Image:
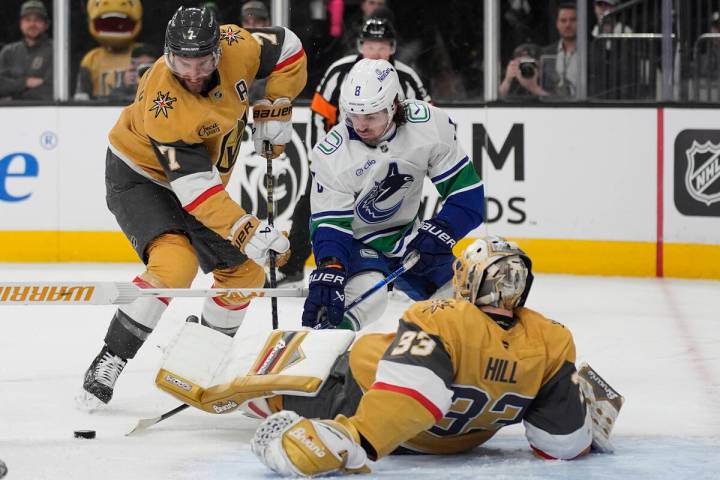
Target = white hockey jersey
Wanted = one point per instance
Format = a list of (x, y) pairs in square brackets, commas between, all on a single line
[(372, 194)]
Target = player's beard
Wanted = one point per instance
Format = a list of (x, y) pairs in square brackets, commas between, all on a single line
[(195, 86)]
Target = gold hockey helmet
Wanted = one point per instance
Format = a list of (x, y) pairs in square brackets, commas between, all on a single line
[(493, 271)]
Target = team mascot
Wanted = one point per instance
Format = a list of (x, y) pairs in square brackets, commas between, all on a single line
[(114, 24)]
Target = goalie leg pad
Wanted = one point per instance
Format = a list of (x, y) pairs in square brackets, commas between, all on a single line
[(603, 403), (292, 445), (213, 372)]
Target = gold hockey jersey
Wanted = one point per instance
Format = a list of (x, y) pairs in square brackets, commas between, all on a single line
[(189, 142), (451, 377)]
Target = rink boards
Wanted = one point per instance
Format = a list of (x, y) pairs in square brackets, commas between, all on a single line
[(612, 191)]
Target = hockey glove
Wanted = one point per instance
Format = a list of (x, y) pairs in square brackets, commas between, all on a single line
[(255, 238), (294, 446), (272, 122), (434, 242), (325, 302)]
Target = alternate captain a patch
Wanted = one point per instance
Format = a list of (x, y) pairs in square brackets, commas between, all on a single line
[(162, 103)]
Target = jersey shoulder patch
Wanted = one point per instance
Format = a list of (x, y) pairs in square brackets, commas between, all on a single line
[(331, 142), (417, 111), (231, 35)]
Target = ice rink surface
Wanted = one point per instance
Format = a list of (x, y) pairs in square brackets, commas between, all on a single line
[(657, 341)]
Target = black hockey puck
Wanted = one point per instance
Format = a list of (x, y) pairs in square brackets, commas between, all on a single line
[(3, 469), (84, 433)]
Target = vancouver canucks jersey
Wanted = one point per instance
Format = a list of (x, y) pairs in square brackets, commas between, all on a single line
[(373, 193), (451, 377)]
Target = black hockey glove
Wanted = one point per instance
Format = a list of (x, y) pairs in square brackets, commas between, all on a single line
[(325, 303), (434, 242)]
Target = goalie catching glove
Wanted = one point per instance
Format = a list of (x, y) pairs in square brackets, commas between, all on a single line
[(255, 238), (293, 446), (272, 122)]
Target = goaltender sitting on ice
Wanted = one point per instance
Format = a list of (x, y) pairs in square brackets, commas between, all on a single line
[(455, 372)]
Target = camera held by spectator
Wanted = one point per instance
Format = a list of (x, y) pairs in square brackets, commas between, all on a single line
[(521, 80), (528, 67)]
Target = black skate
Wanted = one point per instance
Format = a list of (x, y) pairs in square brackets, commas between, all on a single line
[(100, 379)]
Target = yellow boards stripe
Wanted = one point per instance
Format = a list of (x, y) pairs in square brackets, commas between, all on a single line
[(56, 246), (585, 257)]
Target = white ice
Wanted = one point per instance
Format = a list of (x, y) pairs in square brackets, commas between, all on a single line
[(657, 341)]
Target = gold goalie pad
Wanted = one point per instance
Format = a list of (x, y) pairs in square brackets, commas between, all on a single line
[(217, 374)]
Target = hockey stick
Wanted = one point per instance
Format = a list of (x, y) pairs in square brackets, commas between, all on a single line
[(117, 293), (409, 261), (270, 185), (146, 423)]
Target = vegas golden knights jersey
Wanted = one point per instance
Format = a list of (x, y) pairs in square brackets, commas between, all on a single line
[(451, 377), (101, 70), (189, 142)]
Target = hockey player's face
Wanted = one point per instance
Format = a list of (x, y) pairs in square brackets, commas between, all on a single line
[(369, 127), (193, 72)]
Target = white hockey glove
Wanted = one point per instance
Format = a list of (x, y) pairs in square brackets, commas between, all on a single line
[(293, 446), (604, 404), (272, 122), (255, 238)]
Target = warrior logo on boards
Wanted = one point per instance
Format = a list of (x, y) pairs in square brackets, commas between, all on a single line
[(385, 198), (702, 176)]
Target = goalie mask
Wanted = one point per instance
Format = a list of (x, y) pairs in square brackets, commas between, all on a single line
[(493, 271), (371, 87), (192, 33)]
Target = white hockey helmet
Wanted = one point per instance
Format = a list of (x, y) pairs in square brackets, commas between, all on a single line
[(371, 86), (493, 271)]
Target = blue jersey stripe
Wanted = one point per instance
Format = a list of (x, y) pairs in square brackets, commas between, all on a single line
[(448, 173)]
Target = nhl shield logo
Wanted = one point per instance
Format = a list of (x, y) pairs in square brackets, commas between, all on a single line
[(702, 176)]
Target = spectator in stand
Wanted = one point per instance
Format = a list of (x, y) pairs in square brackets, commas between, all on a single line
[(142, 58), (607, 25), (255, 14), (521, 82), (707, 84), (558, 61), (26, 66)]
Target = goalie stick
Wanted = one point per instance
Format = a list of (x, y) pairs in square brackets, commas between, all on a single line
[(117, 293), (410, 260)]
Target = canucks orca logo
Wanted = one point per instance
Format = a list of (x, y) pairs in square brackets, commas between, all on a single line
[(385, 198)]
